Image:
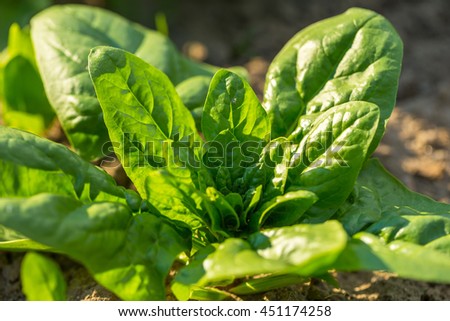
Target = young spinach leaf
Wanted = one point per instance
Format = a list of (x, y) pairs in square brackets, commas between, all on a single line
[(282, 210), (232, 105), (234, 124)]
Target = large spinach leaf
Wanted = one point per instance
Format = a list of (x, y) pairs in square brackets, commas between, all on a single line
[(152, 132), (355, 56), (328, 159), (300, 249)]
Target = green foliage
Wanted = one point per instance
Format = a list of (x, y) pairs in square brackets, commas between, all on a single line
[(129, 254), (230, 192), (312, 250), (17, 11), (367, 252), (42, 279), (63, 37), (354, 56), (32, 165), (381, 205), (329, 157), (22, 97)]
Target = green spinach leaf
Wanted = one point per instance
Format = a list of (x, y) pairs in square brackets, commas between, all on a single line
[(235, 125), (355, 56), (232, 105), (408, 260), (33, 165), (282, 210), (383, 206), (303, 250), (151, 129), (13, 241), (328, 159), (42, 279)]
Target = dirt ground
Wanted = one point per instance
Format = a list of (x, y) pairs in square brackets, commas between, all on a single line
[(416, 147)]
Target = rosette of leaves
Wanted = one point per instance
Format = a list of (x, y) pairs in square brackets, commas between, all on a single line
[(260, 196)]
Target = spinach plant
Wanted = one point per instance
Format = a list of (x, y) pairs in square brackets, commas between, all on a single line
[(248, 198)]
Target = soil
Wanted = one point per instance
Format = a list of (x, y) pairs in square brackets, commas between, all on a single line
[(416, 146)]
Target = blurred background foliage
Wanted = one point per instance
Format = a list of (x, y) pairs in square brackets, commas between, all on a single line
[(19, 11), (142, 11)]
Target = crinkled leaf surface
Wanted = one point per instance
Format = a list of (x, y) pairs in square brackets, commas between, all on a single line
[(32, 165), (153, 133), (328, 159), (355, 56), (63, 37), (275, 161), (173, 198), (299, 249), (128, 254), (42, 279), (147, 122)]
